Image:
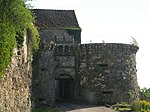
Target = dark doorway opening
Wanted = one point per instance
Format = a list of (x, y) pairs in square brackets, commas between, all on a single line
[(64, 87)]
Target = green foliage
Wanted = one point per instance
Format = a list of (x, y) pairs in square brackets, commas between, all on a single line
[(7, 42), (35, 40), (45, 110), (15, 12), (135, 106), (145, 93), (15, 18), (140, 106), (124, 106), (20, 38)]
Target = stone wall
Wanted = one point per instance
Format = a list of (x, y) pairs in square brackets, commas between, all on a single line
[(95, 73), (15, 86), (65, 60), (108, 73), (57, 36), (43, 78), (55, 61)]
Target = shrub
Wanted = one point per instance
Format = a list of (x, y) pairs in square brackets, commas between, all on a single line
[(140, 106)]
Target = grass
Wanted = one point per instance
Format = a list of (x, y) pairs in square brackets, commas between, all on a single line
[(45, 109), (122, 107)]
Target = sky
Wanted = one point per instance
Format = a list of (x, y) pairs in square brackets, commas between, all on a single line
[(114, 21)]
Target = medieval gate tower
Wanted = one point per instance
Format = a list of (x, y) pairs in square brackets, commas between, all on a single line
[(65, 69)]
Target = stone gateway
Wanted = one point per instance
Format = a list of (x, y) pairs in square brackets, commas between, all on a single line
[(65, 69)]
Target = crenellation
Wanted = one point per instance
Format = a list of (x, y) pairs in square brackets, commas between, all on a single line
[(109, 46)]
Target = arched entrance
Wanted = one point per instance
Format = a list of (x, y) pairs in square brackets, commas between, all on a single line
[(64, 87)]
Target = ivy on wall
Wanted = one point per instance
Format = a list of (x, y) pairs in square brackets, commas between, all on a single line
[(15, 18), (34, 40)]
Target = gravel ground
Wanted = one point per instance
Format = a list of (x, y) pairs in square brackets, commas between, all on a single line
[(73, 107)]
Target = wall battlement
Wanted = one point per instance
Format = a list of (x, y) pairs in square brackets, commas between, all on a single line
[(108, 72), (109, 46), (70, 49)]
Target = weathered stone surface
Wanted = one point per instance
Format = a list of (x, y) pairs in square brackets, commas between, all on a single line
[(15, 86), (54, 63), (96, 73), (99, 73), (108, 73), (43, 78)]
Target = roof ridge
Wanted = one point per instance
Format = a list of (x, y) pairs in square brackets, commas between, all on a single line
[(54, 9)]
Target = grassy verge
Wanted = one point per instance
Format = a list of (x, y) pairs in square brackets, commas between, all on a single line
[(122, 107), (140, 106), (135, 106)]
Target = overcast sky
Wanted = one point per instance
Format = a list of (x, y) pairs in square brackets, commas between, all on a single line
[(112, 21)]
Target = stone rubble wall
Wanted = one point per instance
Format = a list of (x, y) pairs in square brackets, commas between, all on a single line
[(43, 78), (15, 86), (107, 73), (55, 57), (65, 60)]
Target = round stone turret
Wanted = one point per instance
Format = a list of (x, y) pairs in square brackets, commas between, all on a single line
[(108, 73)]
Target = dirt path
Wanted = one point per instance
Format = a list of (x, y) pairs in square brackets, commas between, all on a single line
[(93, 109), (72, 107)]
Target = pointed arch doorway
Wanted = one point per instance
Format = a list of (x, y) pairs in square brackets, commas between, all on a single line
[(64, 87)]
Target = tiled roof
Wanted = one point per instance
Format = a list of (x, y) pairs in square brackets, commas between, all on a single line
[(55, 19)]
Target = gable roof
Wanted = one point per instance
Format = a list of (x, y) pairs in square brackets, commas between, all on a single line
[(55, 19)]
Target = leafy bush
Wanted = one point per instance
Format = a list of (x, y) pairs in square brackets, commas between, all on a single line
[(140, 106)]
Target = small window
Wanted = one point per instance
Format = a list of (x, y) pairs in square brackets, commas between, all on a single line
[(103, 65), (44, 69), (41, 99), (107, 92)]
